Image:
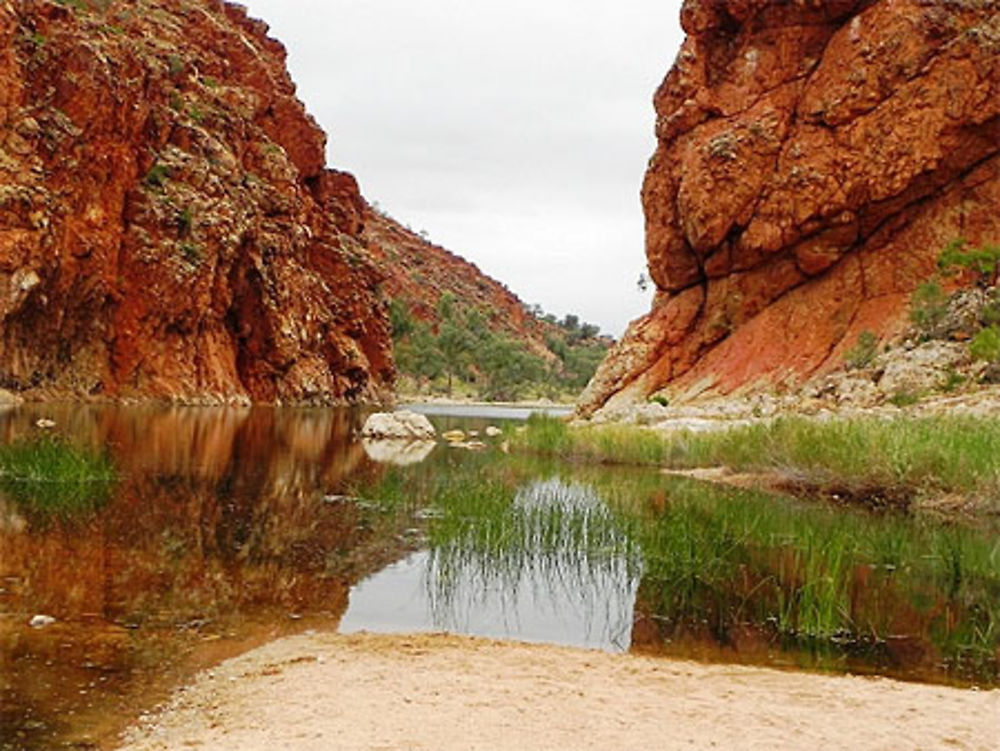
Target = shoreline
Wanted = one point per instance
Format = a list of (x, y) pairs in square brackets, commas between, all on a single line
[(435, 691), (443, 401)]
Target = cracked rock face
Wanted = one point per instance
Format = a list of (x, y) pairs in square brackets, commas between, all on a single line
[(813, 159), (168, 226)]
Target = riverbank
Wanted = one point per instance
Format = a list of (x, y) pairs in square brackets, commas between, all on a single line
[(909, 460), (324, 691), (405, 400)]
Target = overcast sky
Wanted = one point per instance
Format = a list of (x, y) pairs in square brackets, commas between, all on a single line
[(515, 133)]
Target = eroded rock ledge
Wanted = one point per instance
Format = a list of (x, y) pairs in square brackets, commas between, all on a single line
[(168, 225), (813, 160)]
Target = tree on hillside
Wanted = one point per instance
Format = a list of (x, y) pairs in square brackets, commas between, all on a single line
[(507, 368), (419, 356), (453, 340), (400, 319)]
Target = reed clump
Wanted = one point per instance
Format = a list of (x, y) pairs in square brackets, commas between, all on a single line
[(819, 577), (51, 475)]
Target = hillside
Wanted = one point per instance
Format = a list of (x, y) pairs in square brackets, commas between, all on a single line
[(418, 272), (454, 325)]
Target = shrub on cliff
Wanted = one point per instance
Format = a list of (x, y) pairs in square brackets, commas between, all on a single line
[(928, 307), (863, 352), (985, 345), (982, 262)]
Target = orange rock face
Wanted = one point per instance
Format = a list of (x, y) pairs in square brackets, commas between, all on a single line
[(813, 160), (168, 226)]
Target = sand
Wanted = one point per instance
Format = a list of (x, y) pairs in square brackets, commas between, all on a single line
[(324, 691)]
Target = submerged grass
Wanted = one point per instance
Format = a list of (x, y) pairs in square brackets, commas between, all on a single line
[(905, 457), (51, 476)]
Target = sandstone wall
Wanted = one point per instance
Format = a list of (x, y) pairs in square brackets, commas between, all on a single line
[(168, 226), (813, 159)]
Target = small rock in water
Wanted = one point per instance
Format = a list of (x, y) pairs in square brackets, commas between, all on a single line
[(41, 621), (454, 436), (45, 423), (492, 431)]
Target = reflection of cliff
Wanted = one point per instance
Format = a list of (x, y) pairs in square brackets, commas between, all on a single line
[(218, 530), (216, 509)]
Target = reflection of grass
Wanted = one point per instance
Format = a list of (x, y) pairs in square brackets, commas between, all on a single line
[(47, 474), (911, 456), (815, 578), (558, 540), (816, 574)]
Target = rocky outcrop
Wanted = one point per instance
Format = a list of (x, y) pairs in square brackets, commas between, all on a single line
[(813, 160), (168, 226)]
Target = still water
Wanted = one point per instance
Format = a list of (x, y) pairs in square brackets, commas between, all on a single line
[(229, 528)]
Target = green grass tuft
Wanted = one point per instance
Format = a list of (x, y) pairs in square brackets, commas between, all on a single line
[(50, 475)]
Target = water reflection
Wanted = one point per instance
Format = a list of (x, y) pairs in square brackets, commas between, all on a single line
[(231, 527), (737, 575), (216, 537), (400, 453), (726, 574), (552, 566)]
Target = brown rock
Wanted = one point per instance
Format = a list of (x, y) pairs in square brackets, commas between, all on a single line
[(813, 160), (168, 226)]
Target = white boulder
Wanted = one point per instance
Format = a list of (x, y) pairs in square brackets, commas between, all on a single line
[(406, 426)]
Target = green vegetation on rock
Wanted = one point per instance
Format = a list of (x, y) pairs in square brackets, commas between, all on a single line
[(985, 345), (928, 307), (983, 262), (863, 352)]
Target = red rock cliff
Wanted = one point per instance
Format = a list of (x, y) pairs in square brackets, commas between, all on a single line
[(813, 159), (168, 226)]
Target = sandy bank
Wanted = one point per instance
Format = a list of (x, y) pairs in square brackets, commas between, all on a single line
[(443, 692)]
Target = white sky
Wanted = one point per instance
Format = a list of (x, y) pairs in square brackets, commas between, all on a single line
[(515, 132)]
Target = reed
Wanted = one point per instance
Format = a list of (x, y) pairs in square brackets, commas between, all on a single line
[(818, 578), (50, 475)]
